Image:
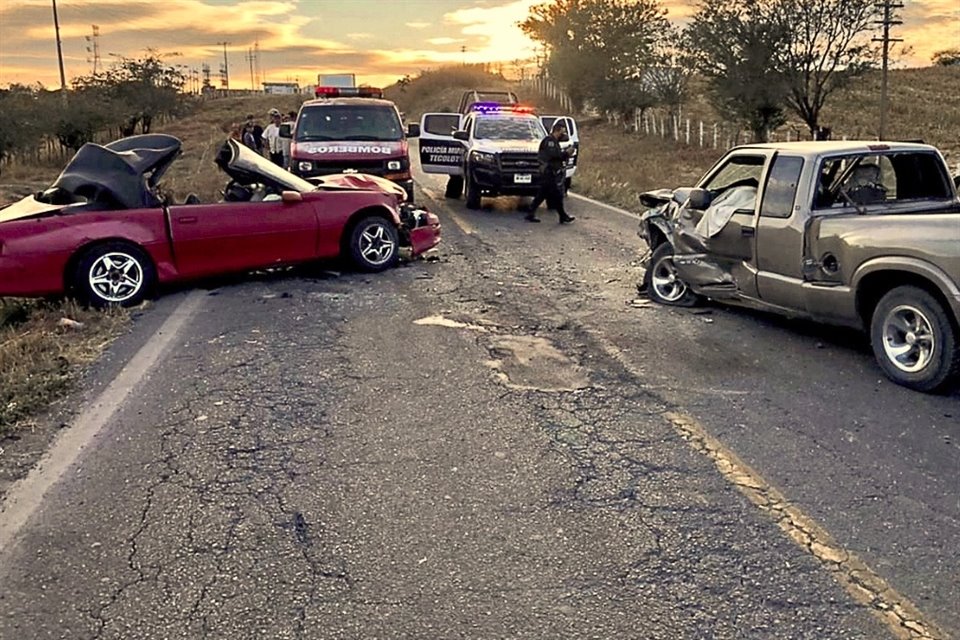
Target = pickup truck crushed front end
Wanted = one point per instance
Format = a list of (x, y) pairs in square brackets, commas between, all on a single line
[(669, 219)]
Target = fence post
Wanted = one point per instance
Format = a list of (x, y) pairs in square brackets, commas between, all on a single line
[(715, 126), (688, 131), (788, 135), (701, 134)]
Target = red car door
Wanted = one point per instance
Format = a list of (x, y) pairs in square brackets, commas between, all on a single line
[(235, 236)]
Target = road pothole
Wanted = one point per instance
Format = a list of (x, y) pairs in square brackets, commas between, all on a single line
[(525, 363), (531, 363)]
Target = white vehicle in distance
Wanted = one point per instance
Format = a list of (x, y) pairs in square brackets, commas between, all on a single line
[(489, 151)]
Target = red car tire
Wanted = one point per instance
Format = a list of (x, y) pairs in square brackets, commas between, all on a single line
[(113, 274), (374, 244)]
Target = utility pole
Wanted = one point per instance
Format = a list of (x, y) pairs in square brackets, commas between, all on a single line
[(256, 62), (63, 76), (93, 48), (250, 60), (226, 67), (889, 20)]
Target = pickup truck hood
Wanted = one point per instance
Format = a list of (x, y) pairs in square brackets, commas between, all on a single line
[(338, 152), (508, 146)]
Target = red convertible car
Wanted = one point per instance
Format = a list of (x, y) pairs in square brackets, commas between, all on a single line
[(103, 233)]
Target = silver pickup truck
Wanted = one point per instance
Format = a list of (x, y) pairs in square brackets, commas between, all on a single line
[(862, 234)]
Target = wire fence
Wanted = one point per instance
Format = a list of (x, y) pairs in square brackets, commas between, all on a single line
[(683, 130)]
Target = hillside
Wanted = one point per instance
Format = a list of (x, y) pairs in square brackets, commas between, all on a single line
[(616, 165)]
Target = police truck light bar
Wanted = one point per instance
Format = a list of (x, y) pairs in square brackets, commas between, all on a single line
[(348, 92), (496, 107)]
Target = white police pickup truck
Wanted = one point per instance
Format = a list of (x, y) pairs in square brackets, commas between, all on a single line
[(489, 151)]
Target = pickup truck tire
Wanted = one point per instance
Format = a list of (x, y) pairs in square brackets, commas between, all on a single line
[(914, 341), (473, 191), (113, 274), (374, 244), (454, 187), (663, 285)]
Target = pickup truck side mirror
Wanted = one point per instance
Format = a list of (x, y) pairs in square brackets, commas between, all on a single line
[(699, 199), (413, 130), (461, 135), (286, 131)]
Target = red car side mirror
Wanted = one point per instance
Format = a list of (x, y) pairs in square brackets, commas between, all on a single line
[(291, 196)]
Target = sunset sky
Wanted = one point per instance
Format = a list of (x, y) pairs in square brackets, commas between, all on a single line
[(379, 40)]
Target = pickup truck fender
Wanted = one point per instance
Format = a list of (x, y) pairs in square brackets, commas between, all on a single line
[(895, 270)]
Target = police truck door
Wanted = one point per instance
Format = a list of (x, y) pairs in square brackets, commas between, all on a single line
[(439, 152)]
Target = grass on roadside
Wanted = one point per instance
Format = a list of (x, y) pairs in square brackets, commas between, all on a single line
[(42, 346)]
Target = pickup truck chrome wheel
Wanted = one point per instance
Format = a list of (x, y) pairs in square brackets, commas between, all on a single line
[(908, 338), (374, 244), (915, 340), (666, 283), (662, 282), (115, 273)]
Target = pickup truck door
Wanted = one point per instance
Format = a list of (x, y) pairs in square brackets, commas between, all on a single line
[(573, 143), (439, 151), (780, 232), (726, 265)]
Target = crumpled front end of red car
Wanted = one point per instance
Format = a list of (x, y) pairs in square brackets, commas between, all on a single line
[(421, 228)]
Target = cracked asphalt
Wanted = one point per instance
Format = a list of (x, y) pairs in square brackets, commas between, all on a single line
[(309, 461)]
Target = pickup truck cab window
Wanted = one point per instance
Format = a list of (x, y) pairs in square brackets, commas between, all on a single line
[(877, 179), (781, 189), (740, 170)]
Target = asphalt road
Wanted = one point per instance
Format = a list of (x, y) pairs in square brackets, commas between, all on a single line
[(478, 447)]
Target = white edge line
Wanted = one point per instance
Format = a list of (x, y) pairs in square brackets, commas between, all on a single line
[(622, 212), (27, 494)]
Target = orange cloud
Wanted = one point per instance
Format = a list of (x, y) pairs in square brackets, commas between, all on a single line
[(308, 37)]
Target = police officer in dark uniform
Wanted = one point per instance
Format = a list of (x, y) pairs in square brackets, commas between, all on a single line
[(552, 159)]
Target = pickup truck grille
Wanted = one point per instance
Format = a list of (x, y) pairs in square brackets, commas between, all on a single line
[(519, 162)]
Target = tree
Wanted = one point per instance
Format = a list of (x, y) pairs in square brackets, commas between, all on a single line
[(139, 88), (947, 58), (20, 104), (669, 77), (599, 49), (828, 46), (739, 45)]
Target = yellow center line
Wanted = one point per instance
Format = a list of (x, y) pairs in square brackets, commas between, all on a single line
[(456, 217), (866, 587), (904, 620)]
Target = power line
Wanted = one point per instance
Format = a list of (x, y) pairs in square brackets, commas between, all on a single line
[(889, 20)]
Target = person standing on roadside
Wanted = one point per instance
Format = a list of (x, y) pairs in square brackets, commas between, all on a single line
[(257, 132), (552, 160), (271, 138), (248, 138), (288, 118)]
